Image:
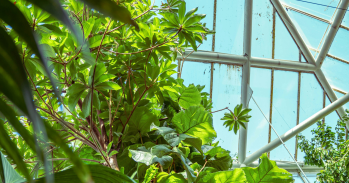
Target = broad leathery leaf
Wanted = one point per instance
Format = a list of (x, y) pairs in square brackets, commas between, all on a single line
[(99, 173), (189, 97), (73, 100), (14, 17), (111, 9), (7, 173), (237, 175), (196, 122), (141, 120), (267, 171), (190, 172), (174, 139), (75, 89), (171, 178), (206, 174), (108, 85), (86, 105), (160, 150), (189, 37), (148, 158)]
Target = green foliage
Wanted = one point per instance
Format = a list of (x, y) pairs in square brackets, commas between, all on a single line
[(99, 173), (90, 82), (329, 150), (233, 120), (7, 173), (267, 171)]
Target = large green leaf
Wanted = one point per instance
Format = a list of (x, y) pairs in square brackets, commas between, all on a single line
[(110, 8), (196, 122), (170, 178), (190, 96), (174, 138), (7, 173), (190, 172), (267, 171), (141, 120), (157, 154), (234, 176), (99, 174)]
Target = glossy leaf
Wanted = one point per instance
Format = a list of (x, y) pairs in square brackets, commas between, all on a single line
[(267, 171), (196, 122)]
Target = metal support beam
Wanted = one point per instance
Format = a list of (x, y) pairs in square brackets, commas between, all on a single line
[(342, 9), (297, 129), (306, 53), (203, 56), (245, 85), (287, 165)]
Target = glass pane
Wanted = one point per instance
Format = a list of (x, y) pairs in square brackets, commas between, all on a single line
[(258, 127), (226, 93), (311, 101), (285, 47), (320, 8), (284, 111), (229, 26), (336, 73), (340, 46), (197, 73), (262, 28), (331, 119), (311, 30)]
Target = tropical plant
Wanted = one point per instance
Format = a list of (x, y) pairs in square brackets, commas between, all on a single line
[(87, 93), (329, 150)]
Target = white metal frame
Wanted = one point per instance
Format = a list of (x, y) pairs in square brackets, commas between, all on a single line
[(312, 65)]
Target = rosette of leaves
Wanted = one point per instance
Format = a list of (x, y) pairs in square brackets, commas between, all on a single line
[(233, 120)]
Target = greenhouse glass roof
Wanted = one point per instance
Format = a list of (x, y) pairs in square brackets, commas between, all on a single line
[(291, 54)]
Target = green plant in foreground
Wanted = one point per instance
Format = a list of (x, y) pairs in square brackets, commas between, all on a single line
[(88, 95)]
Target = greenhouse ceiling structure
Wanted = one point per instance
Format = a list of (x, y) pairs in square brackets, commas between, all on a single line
[(291, 56)]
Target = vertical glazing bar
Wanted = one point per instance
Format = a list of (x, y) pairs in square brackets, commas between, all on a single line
[(298, 104), (213, 45), (272, 79), (271, 106), (245, 75)]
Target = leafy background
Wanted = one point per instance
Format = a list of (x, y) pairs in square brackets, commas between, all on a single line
[(89, 95)]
